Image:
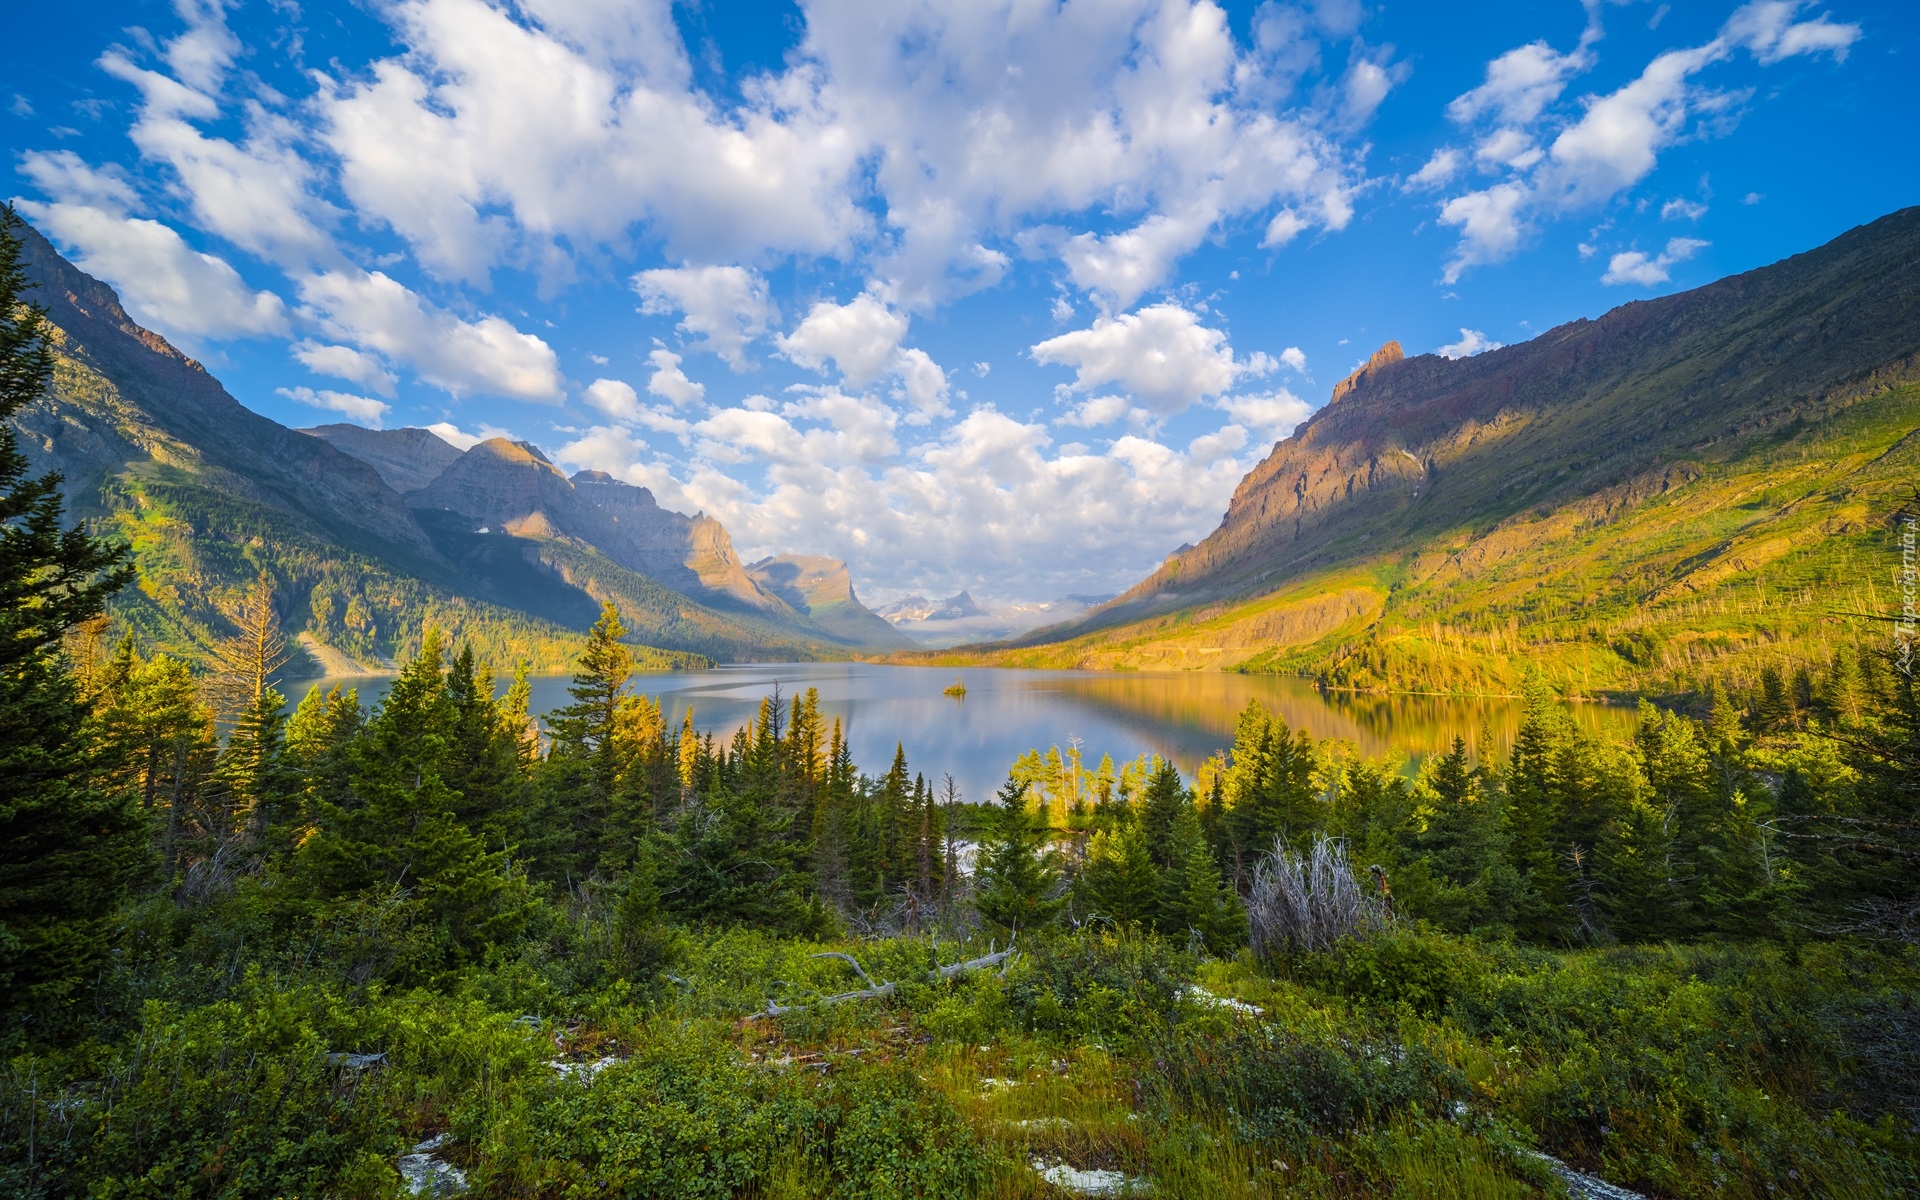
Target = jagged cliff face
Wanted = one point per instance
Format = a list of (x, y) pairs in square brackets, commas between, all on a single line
[(408, 459), (822, 588), (511, 485), (1409, 449)]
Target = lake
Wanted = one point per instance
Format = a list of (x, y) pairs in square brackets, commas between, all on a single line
[(1183, 716)]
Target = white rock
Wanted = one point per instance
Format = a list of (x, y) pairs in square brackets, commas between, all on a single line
[(426, 1175), (1089, 1183)]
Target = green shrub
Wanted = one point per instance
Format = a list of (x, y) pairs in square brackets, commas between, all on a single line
[(1103, 984)]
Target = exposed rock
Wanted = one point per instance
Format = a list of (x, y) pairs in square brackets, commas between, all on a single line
[(1386, 355), (408, 459), (1089, 1182), (426, 1175), (822, 588)]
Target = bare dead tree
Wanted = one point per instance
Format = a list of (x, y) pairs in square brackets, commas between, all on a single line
[(1310, 901)]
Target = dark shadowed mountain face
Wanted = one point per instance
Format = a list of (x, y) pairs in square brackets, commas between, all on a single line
[(823, 589), (1411, 449), (408, 459)]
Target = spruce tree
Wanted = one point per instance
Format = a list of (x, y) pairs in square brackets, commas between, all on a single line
[(1119, 882), (1018, 878), (69, 849)]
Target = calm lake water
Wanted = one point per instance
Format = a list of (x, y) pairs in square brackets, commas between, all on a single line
[(1183, 716)]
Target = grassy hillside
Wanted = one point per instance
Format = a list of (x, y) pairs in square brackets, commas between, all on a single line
[(1770, 548)]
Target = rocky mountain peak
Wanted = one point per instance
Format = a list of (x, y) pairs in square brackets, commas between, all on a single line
[(1384, 356)]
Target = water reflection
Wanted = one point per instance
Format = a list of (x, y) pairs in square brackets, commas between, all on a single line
[(1183, 716)]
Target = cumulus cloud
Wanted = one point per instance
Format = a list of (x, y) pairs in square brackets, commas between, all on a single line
[(1679, 209), (859, 337), (1161, 355), (165, 284), (725, 307), (614, 398), (1096, 411), (1647, 270), (1294, 359), (538, 120), (344, 362), (456, 437), (1438, 171), (990, 489), (1471, 342), (361, 410), (670, 382), (1520, 84), (1274, 414), (488, 356)]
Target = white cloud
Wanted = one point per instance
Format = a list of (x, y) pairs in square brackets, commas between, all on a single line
[(454, 436), (859, 337), (1681, 209), (1439, 171), (1616, 139), (614, 398), (362, 410), (726, 307), (1275, 413), (487, 356), (1095, 411), (986, 116), (989, 490), (541, 130), (1285, 226), (1520, 84), (671, 383), (344, 362), (1160, 355), (260, 193), (1646, 270), (923, 385), (1768, 29), (165, 283), (1490, 225), (1471, 342)]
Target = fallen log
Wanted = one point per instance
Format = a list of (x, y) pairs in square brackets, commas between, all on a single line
[(879, 990)]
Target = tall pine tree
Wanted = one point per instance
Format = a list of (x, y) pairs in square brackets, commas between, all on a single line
[(68, 849)]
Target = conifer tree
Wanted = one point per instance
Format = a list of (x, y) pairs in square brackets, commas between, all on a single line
[(1533, 816), (68, 849), (1119, 882), (395, 838), (1194, 901), (1018, 879)]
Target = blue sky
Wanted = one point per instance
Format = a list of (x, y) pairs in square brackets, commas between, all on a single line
[(1003, 296)]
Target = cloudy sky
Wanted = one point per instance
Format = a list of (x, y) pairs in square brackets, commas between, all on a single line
[(996, 294)]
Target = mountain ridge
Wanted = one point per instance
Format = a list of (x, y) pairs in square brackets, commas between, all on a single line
[(1461, 489), (210, 495)]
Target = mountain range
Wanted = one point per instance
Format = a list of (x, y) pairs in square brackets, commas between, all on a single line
[(366, 534), (960, 618), (1704, 481)]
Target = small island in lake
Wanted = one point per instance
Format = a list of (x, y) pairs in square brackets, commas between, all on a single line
[(958, 690)]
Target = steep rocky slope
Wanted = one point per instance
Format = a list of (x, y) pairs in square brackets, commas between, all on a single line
[(822, 588), (408, 459)]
